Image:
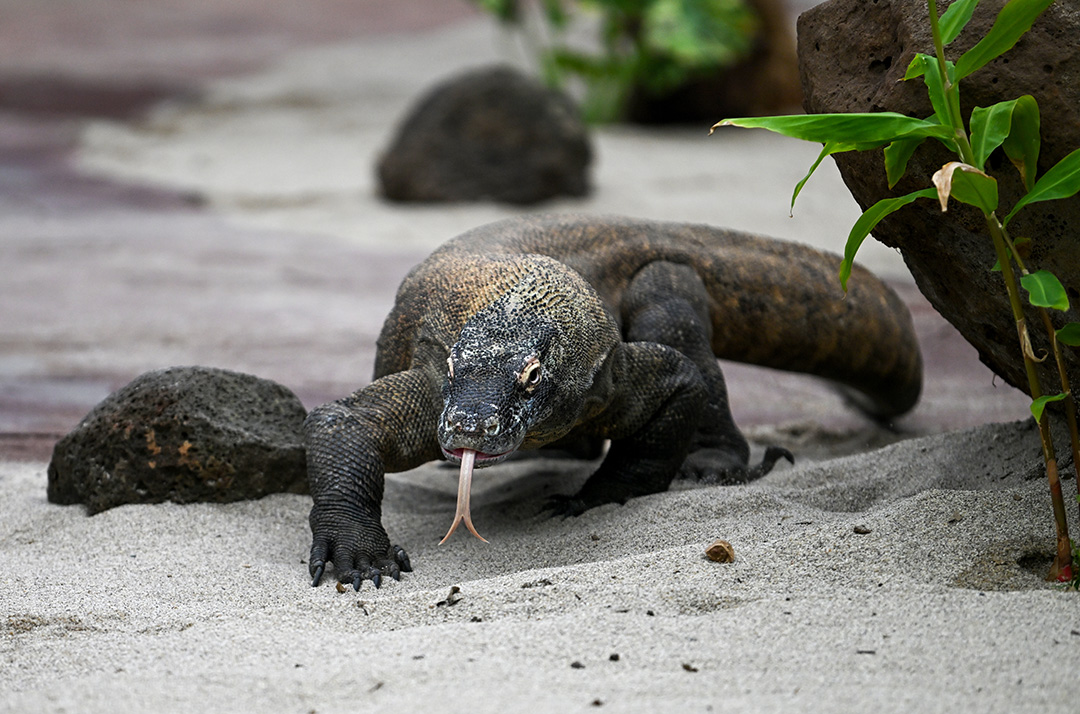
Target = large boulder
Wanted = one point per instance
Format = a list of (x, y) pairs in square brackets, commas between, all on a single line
[(853, 55), (183, 434), (491, 134)]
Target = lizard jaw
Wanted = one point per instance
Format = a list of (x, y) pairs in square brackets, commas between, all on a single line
[(483, 460)]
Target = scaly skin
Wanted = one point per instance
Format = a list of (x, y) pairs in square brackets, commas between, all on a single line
[(523, 332)]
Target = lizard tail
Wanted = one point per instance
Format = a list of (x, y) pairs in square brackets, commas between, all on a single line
[(780, 305)]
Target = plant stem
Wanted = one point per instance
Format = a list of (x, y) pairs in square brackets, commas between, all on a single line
[(1063, 374), (1062, 566), (1069, 402), (952, 91)]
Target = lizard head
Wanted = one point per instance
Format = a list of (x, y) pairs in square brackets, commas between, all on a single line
[(499, 383), (522, 369)]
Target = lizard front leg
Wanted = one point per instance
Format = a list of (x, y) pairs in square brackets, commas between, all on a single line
[(668, 303), (387, 426), (659, 398)]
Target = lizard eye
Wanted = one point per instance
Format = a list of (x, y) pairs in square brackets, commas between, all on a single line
[(530, 376)]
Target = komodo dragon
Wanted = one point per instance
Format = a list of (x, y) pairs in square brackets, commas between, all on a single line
[(523, 332)]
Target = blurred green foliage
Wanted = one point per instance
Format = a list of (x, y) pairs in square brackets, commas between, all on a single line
[(645, 45)]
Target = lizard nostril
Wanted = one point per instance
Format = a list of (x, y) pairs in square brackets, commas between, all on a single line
[(491, 426)]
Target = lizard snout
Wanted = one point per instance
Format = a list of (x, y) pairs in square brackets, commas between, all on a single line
[(461, 424), (483, 430)]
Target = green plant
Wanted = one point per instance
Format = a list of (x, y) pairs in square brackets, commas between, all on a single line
[(650, 45), (1014, 127)]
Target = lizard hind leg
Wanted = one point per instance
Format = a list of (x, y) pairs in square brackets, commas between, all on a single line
[(668, 303)]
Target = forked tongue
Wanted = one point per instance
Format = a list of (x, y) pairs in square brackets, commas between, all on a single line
[(464, 486)]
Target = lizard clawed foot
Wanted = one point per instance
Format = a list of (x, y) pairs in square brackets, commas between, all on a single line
[(396, 563), (563, 506), (355, 558), (703, 467)]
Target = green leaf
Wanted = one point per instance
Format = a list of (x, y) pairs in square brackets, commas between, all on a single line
[(1045, 290), (917, 66), (827, 150), (989, 127), (1069, 335), (505, 10), (1039, 405), (556, 14), (932, 77), (830, 148), (1061, 181), (869, 130), (868, 221), (976, 189), (1022, 143), (955, 18), (896, 158), (699, 34), (966, 184), (1012, 22)]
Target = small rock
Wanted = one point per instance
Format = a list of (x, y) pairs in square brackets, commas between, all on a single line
[(183, 434), (491, 134), (453, 598), (720, 551), (861, 530)]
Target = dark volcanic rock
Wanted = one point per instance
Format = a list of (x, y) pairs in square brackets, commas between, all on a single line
[(183, 434), (853, 54), (490, 134)]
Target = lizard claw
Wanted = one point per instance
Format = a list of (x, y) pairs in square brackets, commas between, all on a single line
[(715, 467), (402, 559), (317, 570), (396, 563), (772, 455), (564, 506)]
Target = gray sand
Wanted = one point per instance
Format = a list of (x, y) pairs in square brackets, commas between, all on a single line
[(206, 607)]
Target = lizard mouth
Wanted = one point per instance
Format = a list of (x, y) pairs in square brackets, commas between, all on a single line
[(454, 456)]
